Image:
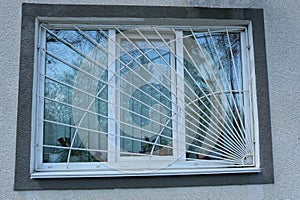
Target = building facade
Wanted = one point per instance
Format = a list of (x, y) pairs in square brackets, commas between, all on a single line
[(281, 27)]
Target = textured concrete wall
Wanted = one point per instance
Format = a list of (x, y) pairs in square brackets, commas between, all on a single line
[(282, 23)]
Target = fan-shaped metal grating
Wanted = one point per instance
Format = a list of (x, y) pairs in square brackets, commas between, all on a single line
[(146, 97)]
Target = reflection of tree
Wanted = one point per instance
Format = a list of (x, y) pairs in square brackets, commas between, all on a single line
[(60, 74), (60, 78), (196, 81), (230, 73), (221, 75)]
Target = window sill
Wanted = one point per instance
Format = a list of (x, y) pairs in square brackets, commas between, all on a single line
[(95, 174)]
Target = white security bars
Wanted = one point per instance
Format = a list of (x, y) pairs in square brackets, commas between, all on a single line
[(139, 100)]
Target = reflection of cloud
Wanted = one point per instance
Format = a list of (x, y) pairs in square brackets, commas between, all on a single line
[(60, 97)]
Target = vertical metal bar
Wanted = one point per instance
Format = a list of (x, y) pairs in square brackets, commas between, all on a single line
[(246, 86), (41, 68), (253, 100)]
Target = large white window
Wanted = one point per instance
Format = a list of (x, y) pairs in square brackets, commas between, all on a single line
[(113, 100)]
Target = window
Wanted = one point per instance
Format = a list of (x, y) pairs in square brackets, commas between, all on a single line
[(130, 96), (144, 98)]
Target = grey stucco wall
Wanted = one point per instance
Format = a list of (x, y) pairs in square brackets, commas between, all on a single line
[(282, 24)]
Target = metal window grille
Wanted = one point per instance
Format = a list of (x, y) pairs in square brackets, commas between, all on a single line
[(129, 100)]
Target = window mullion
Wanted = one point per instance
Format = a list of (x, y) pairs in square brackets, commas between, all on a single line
[(112, 131), (180, 134)]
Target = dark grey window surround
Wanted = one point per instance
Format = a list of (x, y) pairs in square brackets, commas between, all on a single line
[(22, 170)]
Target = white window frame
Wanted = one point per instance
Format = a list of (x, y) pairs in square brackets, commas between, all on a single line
[(123, 159), (42, 170)]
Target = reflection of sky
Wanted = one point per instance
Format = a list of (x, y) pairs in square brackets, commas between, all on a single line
[(130, 51)]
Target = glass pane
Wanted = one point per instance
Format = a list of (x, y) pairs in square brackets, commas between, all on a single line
[(145, 98), (75, 96), (213, 93)]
